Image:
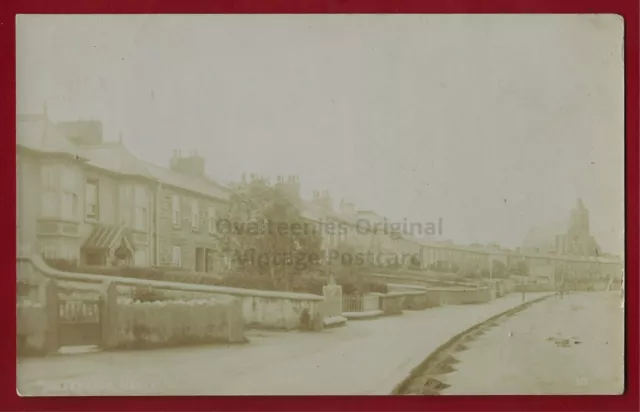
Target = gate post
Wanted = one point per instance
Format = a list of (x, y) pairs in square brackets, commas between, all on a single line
[(51, 302), (108, 315), (332, 293)]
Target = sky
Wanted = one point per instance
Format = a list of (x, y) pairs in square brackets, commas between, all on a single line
[(493, 124)]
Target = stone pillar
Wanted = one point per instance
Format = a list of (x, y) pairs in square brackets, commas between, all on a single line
[(332, 293), (235, 321), (490, 266), (109, 315), (317, 316), (51, 301)]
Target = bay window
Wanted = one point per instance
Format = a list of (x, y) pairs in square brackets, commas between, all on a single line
[(59, 194), (126, 204)]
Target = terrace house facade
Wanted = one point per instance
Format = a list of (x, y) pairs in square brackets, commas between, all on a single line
[(74, 203), (91, 202)]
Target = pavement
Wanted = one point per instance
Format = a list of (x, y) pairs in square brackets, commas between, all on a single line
[(367, 357), (568, 346)]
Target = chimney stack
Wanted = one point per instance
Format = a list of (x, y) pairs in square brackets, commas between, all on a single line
[(322, 199), (191, 165), (347, 208), (290, 185)]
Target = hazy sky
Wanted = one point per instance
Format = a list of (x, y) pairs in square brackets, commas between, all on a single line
[(492, 123)]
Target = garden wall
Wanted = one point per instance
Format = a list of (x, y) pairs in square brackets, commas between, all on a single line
[(32, 328), (283, 311), (173, 323), (459, 296)]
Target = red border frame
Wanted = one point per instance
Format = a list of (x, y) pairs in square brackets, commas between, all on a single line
[(626, 8)]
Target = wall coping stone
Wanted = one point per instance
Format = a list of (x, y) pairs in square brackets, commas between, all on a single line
[(50, 272)]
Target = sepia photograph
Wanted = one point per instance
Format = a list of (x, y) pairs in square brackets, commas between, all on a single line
[(337, 204)]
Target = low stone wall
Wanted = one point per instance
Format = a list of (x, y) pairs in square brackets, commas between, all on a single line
[(261, 309), (283, 312), (451, 296), (533, 288), (391, 303), (370, 302), (32, 328), (418, 300), (173, 323)]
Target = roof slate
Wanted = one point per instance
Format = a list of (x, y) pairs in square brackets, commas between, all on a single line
[(36, 132)]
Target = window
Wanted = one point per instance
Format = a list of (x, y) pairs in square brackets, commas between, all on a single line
[(195, 215), (211, 215), (49, 251), (69, 205), (134, 206), (91, 199), (59, 197), (126, 204), (175, 210), (142, 207), (140, 258), (176, 256), (49, 203), (69, 197)]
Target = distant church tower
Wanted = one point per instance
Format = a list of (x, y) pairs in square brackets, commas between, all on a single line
[(579, 220), (578, 240)]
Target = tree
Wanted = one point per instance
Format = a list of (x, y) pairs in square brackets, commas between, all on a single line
[(499, 270), (265, 234)]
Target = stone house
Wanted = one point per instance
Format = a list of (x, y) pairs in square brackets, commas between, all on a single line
[(50, 174), (189, 205), (79, 199), (92, 202)]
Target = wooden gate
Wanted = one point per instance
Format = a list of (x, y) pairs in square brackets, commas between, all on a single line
[(79, 321)]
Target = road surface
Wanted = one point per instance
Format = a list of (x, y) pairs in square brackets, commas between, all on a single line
[(573, 345), (363, 357)]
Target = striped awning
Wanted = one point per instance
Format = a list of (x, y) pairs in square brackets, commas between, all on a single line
[(108, 237)]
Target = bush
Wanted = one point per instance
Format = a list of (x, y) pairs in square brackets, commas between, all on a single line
[(377, 287), (349, 288), (147, 294), (357, 285), (309, 284)]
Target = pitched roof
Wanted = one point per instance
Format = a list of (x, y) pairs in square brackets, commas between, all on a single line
[(37, 133), (107, 237), (199, 185), (115, 157)]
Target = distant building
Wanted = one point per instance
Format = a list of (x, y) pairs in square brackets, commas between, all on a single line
[(570, 237), (93, 202)]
